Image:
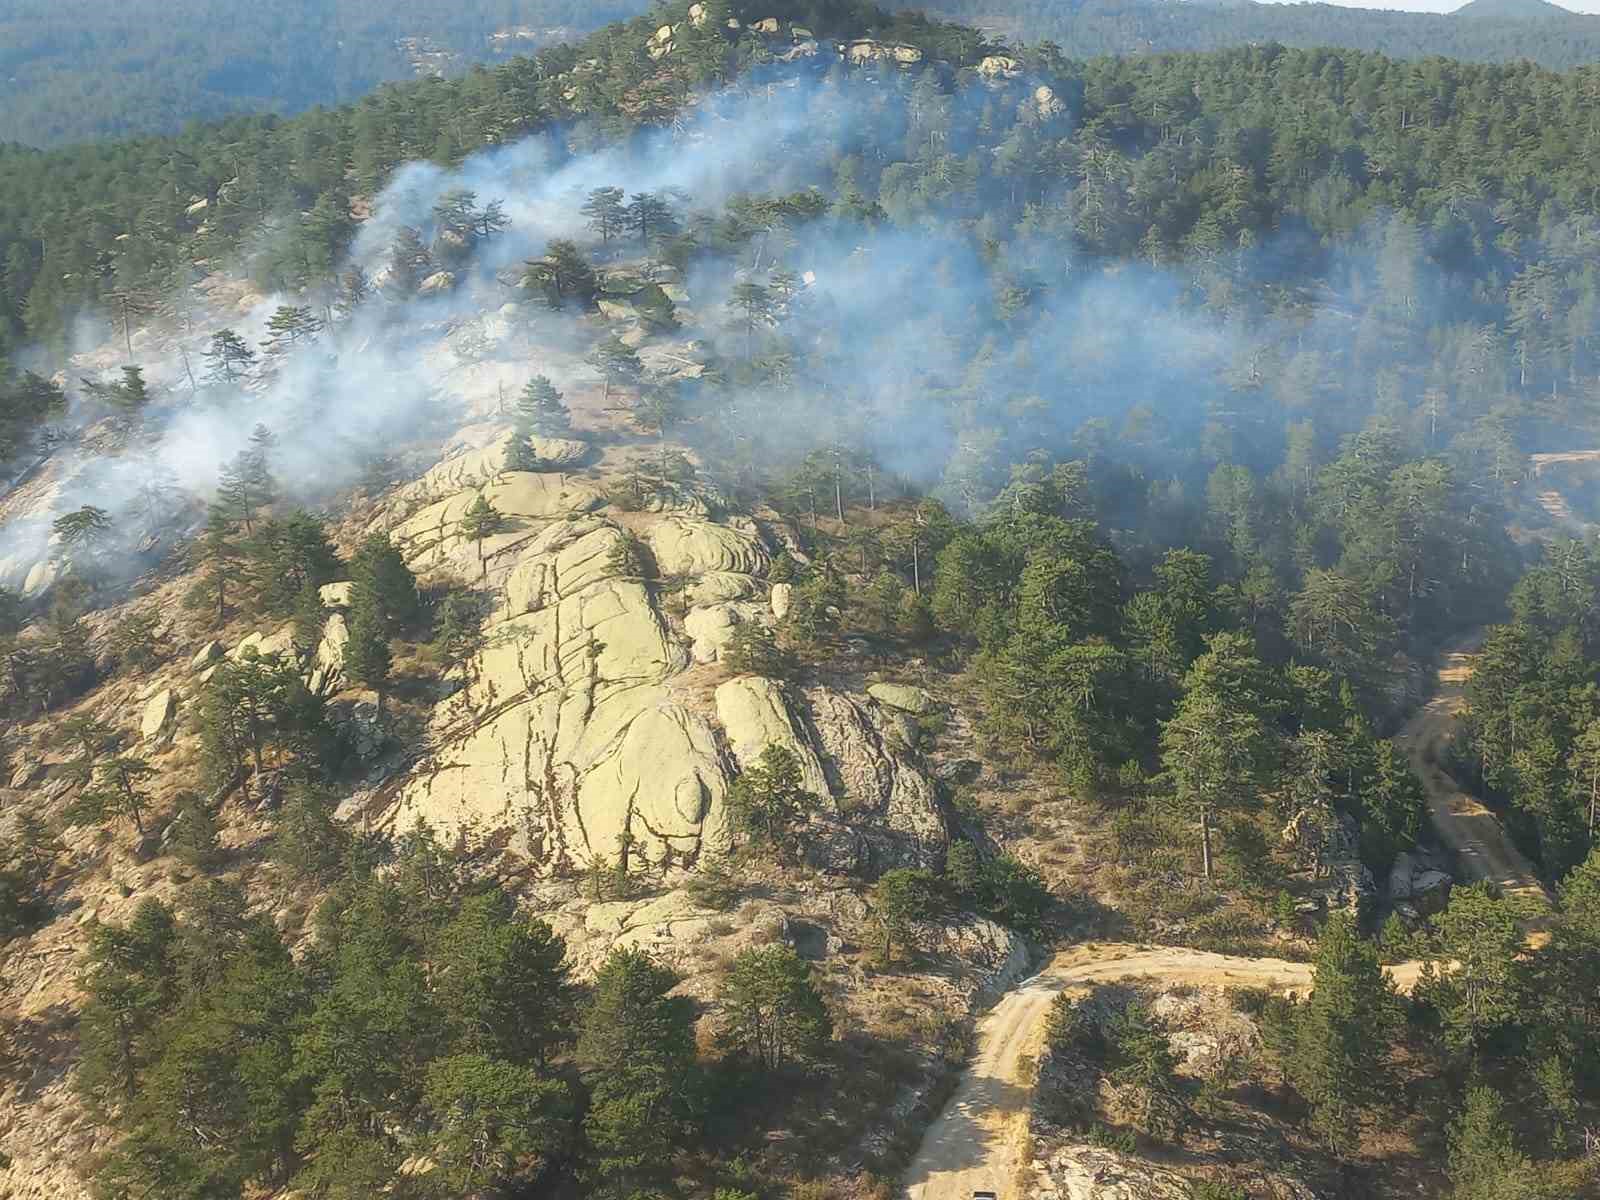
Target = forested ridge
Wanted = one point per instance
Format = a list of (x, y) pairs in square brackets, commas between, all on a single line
[(1549, 35), (72, 73), (1177, 407)]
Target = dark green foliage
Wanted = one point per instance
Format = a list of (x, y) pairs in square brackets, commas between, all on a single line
[(309, 616), (422, 1017), (1484, 1161), (1000, 887), (489, 960), (258, 711), (900, 899), (129, 70), (26, 863), (379, 571), (768, 802), (563, 277), (541, 411), (458, 628), (133, 641), (1475, 980), (480, 521), (286, 555), (1342, 1034), (754, 650), (367, 657), (1142, 1068), (307, 840), (192, 837), (776, 1016), (616, 361), (1555, 37), (636, 1048), (128, 981), (219, 563), (229, 359)]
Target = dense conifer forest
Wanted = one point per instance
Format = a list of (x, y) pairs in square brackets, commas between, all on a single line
[(73, 72)]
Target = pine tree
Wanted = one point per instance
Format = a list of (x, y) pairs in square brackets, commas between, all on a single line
[(480, 521), (309, 616), (128, 980), (229, 358), (82, 534), (380, 569), (1341, 1034), (768, 801), (616, 362), (289, 327), (458, 631), (367, 658), (1485, 1163), (541, 410), (564, 276), (218, 562), (636, 1050), (651, 217), (503, 983), (606, 213), (194, 834), (775, 1013), (900, 899)]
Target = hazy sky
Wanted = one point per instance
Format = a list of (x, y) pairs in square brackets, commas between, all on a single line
[(1440, 6)]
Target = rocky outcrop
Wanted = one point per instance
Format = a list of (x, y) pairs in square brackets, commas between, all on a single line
[(901, 696), (554, 453), (437, 284), (1045, 104), (718, 587), (336, 595), (866, 50), (1419, 882), (882, 809), (204, 657), (686, 546), (1079, 1171), (782, 599), (328, 663), (712, 627), (432, 540), (1000, 66), (160, 717), (755, 713)]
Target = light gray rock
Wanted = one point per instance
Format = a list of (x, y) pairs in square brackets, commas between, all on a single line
[(160, 714), (782, 599), (209, 653), (437, 284), (903, 697)]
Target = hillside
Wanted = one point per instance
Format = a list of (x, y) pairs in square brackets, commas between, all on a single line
[(74, 72), (1538, 32), (70, 74), (569, 631)]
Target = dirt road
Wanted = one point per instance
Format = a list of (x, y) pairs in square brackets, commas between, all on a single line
[(975, 1144), (1463, 823)]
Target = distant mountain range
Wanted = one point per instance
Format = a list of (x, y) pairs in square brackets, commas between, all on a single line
[(71, 73), (1480, 31)]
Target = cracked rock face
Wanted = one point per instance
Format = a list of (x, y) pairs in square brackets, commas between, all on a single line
[(569, 738)]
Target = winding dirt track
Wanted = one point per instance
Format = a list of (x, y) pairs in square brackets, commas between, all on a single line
[(975, 1143), (1464, 825)]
